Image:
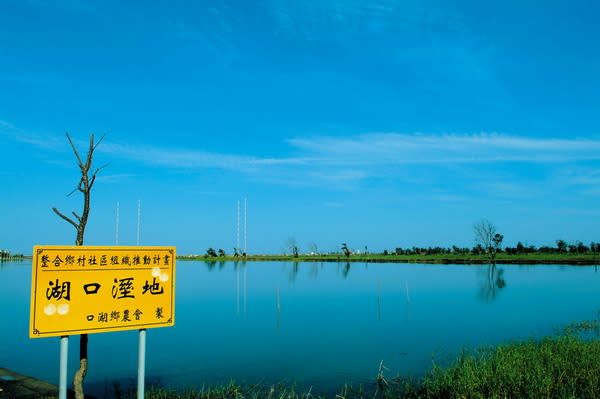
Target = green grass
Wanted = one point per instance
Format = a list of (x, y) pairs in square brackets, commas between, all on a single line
[(558, 367), (232, 391), (278, 391), (564, 258), (561, 367)]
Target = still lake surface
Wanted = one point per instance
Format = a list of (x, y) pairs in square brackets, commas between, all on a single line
[(314, 324)]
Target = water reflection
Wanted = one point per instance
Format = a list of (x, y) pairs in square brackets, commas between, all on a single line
[(294, 271), (492, 283), (314, 269), (378, 299), (346, 270), (238, 266), (406, 290), (5, 263), (210, 264), (491, 278), (277, 308)]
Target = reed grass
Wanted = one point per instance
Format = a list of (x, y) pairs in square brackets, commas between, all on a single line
[(557, 367)]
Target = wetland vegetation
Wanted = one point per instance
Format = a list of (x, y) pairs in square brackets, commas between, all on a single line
[(564, 366)]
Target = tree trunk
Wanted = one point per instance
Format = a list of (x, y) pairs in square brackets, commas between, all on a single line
[(85, 187), (83, 367)]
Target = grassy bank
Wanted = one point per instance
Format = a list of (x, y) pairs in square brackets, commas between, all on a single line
[(562, 367), (565, 258)]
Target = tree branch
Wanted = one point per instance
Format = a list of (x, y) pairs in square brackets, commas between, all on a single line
[(99, 169), (75, 150), (99, 141), (95, 173), (90, 153), (75, 189), (68, 219), (77, 216)]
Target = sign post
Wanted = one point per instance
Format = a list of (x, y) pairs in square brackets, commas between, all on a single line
[(86, 289), (64, 355), (141, 385)]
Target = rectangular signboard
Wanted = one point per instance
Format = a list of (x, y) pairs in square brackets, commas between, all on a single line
[(81, 289)]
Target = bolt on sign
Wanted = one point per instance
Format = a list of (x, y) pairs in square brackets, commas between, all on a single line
[(82, 290)]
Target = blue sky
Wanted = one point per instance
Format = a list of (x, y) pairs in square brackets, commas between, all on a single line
[(378, 123)]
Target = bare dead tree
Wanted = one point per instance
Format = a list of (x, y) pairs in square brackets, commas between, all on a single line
[(487, 236), (88, 178), (293, 246), (346, 250)]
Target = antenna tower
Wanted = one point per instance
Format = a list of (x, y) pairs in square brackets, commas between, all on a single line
[(237, 248), (139, 218), (117, 226)]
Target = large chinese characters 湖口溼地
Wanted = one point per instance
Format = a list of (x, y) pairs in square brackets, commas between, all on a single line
[(80, 289)]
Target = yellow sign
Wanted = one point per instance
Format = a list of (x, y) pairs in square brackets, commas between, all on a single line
[(81, 290)]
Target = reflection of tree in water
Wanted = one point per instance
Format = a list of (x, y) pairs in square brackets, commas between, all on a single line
[(210, 264), (294, 271), (492, 282), (346, 269), (314, 269)]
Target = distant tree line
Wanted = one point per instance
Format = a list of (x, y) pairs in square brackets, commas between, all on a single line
[(211, 253), (562, 247)]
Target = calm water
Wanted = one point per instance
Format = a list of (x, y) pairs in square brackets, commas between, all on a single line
[(316, 324)]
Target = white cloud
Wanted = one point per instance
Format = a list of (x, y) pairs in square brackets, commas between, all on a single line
[(345, 162), (338, 176), (47, 142), (178, 158), (393, 148), (580, 176), (115, 177)]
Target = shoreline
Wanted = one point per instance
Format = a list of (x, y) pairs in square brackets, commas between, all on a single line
[(575, 261)]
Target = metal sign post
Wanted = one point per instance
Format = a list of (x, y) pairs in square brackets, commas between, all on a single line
[(64, 352), (141, 364)]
